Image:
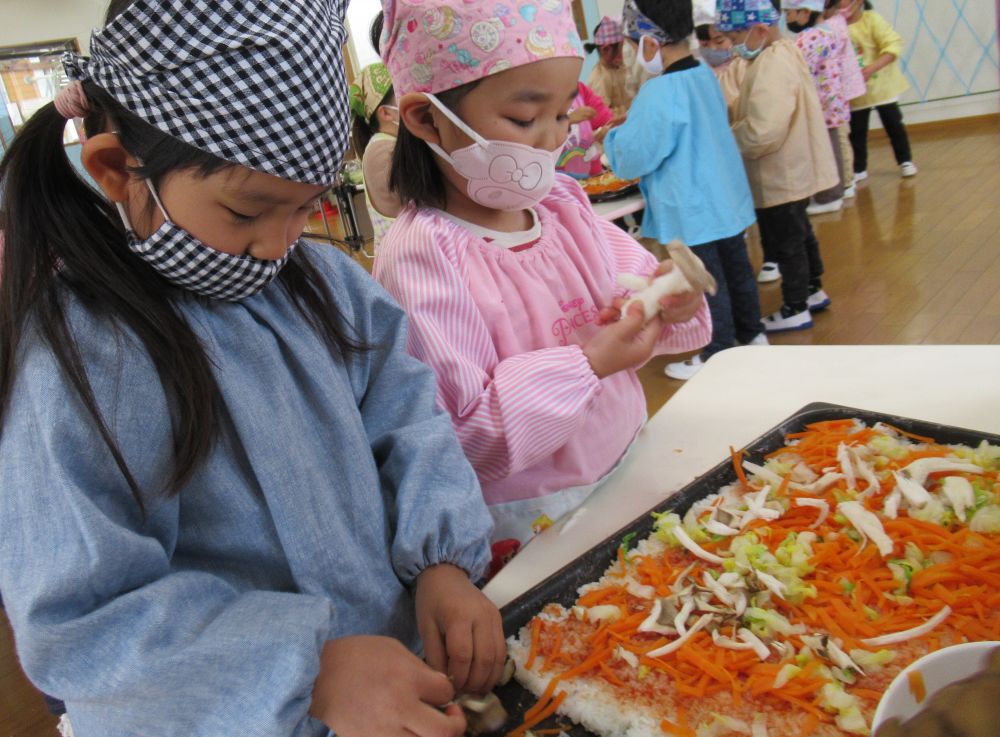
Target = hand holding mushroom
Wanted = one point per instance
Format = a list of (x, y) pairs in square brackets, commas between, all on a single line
[(675, 289)]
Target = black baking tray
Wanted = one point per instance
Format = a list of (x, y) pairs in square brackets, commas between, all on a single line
[(618, 194), (561, 586)]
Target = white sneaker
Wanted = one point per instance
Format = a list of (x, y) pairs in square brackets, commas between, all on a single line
[(816, 208), (785, 320), (818, 301), (758, 339), (908, 169), (860, 176), (684, 370), (768, 272), (850, 192)]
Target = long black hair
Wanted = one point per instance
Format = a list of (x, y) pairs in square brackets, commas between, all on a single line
[(415, 175), (363, 129), (61, 236), (592, 47)]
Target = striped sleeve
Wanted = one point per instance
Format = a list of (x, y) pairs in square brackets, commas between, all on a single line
[(630, 257), (509, 413)]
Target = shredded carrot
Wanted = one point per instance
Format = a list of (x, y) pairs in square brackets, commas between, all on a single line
[(915, 682)]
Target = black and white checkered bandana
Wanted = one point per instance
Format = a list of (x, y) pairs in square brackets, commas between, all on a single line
[(255, 82)]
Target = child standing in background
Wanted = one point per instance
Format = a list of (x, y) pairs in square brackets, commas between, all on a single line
[(878, 47), (609, 77), (376, 123), (581, 155), (506, 273), (779, 127), (716, 50), (219, 511), (823, 49), (853, 82), (677, 139)]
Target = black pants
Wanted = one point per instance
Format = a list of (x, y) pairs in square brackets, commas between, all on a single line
[(835, 192), (735, 307), (892, 120), (787, 238)]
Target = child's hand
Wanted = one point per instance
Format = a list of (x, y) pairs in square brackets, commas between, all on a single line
[(624, 344), (675, 308), (374, 687), (581, 114), (461, 629)]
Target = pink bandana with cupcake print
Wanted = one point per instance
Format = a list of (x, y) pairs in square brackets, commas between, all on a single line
[(431, 46)]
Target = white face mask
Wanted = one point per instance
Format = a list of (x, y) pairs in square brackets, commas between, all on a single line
[(501, 175), (652, 66)]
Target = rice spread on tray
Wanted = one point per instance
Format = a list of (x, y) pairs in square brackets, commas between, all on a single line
[(784, 604)]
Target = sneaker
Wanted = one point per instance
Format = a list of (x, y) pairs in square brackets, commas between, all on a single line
[(816, 208), (860, 176), (787, 319), (818, 300), (850, 192), (768, 272), (908, 169), (684, 370), (758, 339)]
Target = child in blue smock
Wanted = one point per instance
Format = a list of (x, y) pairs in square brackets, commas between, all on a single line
[(677, 139), (228, 503)]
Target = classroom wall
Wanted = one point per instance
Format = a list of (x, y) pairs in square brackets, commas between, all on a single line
[(25, 21), (950, 55)]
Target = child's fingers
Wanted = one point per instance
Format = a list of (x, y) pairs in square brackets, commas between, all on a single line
[(484, 662), (460, 647), (607, 315), (434, 687), (428, 721), (434, 649), (664, 267)]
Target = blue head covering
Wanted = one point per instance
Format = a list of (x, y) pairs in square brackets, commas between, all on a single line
[(737, 15)]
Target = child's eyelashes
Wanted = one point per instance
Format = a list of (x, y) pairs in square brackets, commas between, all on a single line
[(241, 218), (521, 123)]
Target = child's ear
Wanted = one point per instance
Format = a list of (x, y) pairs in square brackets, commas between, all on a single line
[(107, 162), (416, 113)]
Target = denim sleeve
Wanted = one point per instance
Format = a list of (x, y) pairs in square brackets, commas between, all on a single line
[(102, 619), (431, 492)]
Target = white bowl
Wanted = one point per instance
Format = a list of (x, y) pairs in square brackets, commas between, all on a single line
[(939, 669)]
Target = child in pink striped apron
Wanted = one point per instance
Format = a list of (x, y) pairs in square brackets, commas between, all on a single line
[(507, 275)]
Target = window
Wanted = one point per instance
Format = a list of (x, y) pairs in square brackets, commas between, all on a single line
[(30, 77)]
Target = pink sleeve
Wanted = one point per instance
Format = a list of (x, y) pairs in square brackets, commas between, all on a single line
[(594, 100), (631, 258), (509, 414)]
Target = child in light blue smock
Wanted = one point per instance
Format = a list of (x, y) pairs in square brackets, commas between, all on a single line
[(228, 503), (677, 140)]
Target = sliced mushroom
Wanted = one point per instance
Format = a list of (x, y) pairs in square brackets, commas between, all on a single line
[(483, 714)]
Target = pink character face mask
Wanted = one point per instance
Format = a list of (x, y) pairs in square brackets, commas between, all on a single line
[(501, 175)]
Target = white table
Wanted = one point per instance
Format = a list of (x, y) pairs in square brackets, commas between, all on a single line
[(615, 209), (740, 394)]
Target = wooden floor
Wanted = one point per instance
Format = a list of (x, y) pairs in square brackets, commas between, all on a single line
[(908, 261)]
